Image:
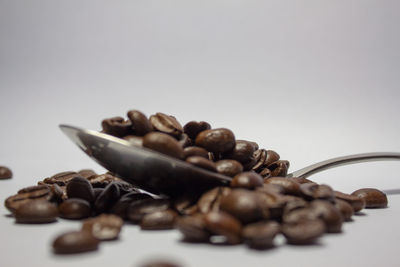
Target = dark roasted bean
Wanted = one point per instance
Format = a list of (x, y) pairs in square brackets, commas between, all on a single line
[(345, 209), (36, 211), (242, 152), (329, 214), (304, 232), (163, 143), (265, 173), (229, 167), (290, 186), (184, 140), (28, 194), (222, 223), (87, 173), (279, 168), (249, 180), (245, 205), (140, 124), (373, 198), (160, 263), (101, 181), (61, 178), (79, 187), (207, 201), (356, 202), (312, 191), (166, 124), (195, 151), (159, 220), (260, 235), (117, 126), (104, 227), (5, 173), (75, 208), (193, 128), (264, 158), (107, 198), (193, 228), (202, 163), (219, 140), (75, 242), (138, 209), (121, 207)]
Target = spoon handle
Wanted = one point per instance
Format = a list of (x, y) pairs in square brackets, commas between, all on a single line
[(346, 160)]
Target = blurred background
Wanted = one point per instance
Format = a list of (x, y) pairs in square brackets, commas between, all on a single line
[(309, 79)]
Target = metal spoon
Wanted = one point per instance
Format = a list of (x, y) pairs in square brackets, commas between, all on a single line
[(161, 174)]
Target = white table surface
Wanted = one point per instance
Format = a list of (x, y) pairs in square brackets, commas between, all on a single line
[(309, 79)]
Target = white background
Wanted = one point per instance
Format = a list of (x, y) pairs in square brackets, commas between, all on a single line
[(309, 79)]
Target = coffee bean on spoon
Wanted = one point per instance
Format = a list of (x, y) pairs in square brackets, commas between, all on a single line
[(166, 124), (140, 124)]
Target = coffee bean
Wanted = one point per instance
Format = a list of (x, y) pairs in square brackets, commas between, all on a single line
[(159, 220), (193, 128), (97, 192), (207, 201), (279, 168), (245, 205), (184, 140), (373, 198), (299, 215), (195, 151), (293, 203), (166, 124), (260, 235), (249, 180), (102, 180), (75, 208), (312, 191), (222, 223), (356, 202), (193, 228), (75, 242), (87, 173), (163, 143), (79, 187), (202, 163), (5, 173), (117, 126), (345, 209), (134, 140), (265, 173), (103, 227), (121, 207), (229, 167), (138, 209), (290, 186), (36, 211), (242, 152), (329, 214), (304, 232), (264, 158), (107, 198), (219, 140), (301, 180), (28, 194), (162, 263), (140, 124), (61, 178)]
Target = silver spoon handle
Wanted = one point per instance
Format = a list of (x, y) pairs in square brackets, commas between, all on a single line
[(346, 160)]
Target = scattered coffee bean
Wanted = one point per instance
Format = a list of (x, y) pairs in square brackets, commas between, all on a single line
[(159, 220), (159, 263), (356, 202), (373, 198), (138, 209), (28, 194), (5, 173), (193, 228), (104, 227), (75, 242), (36, 211), (75, 208)]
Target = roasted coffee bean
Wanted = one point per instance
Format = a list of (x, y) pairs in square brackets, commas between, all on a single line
[(195, 151), (193, 228), (117, 126), (61, 178), (107, 198), (163, 143), (186, 204), (140, 124), (97, 192), (312, 191), (184, 140), (301, 180), (274, 188), (248, 166), (329, 214), (356, 202), (249, 180), (373, 198), (159, 220), (345, 209), (121, 207), (260, 235), (265, 173), (193, 128), (75, 242), (242, 152), (5, 173), (229, 167), (219, 140), (75, 208), (290, 186), (207, 201), (279, 168), (138, 209), (202, 163), (222, 223), (304, 232), (28, 194), (134, 140), (125, 188), (58, 194), (80, 187), (166, 124), (160, 263), (36, 211), (293, 203), (299, 215), (87, 173), (245, 205), (101, 181), (103, 227), (264, 158)]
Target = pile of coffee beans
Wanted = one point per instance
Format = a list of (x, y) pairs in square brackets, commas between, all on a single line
[(259, 204)]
